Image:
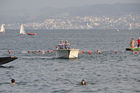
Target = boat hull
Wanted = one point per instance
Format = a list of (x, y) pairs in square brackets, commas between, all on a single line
[(4, 60), (133, 49), (32, 34), (67, 53)]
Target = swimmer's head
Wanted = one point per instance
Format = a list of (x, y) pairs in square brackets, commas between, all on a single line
[(13, 81), (83, 82)]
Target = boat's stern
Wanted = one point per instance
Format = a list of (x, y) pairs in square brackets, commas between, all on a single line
[(67, 53), (74, 53)]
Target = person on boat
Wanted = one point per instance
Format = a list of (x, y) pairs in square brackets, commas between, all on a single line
[(67, 45), (61, 45), (138, 41), (132, 43), (13, 81)]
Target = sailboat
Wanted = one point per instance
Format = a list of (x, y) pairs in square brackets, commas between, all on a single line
[(22, 31), (2, 28)]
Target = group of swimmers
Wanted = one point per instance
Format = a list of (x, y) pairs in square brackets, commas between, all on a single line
[(132, 43), (83, 82), (63, 45)]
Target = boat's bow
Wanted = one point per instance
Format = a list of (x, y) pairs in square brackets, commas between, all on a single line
[(4, 60)]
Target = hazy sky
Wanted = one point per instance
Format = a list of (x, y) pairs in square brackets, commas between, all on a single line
[(26, 4)]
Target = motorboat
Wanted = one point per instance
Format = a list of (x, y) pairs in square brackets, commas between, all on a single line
[(32, 34), (67, 53), (4, 60)]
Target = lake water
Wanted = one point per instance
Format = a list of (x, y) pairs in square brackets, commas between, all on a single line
[(107, 72)]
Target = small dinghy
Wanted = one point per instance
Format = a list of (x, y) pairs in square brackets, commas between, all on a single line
[(4, 60), (32, 34), (67, 53), (133, 49)]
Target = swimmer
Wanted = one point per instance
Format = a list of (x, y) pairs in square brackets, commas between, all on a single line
[(83, 82), (13, 81)]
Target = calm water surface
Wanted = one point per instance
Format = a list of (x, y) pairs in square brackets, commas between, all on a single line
[(42, 73)]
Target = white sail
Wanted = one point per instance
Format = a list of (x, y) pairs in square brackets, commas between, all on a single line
[(22, 31), (2, 28), (130, 27)]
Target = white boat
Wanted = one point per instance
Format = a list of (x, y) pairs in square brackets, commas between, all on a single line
[(2, 28), (67, 53), (22, 31)]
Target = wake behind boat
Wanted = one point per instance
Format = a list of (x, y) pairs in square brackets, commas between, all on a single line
[(4, 60)]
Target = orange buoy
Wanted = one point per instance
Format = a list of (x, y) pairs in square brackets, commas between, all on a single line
[(99, 52), (9, 52), (34, 52), (136, 53), (48, 51), (82, 52), (28, 52), (89, 52)]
